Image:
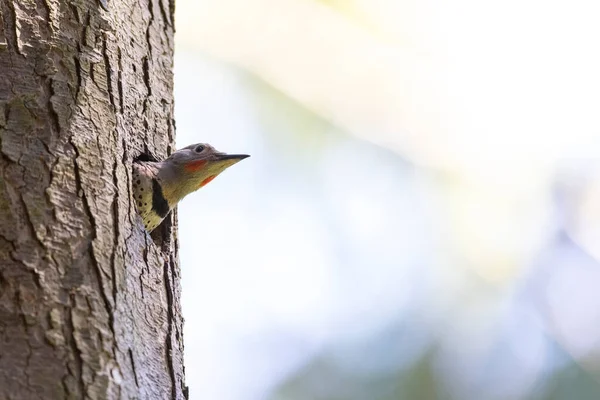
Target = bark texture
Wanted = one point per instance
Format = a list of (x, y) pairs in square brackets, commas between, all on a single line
[(89, 302)]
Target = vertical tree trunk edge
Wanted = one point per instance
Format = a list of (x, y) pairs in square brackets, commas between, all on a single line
[(89, 301)]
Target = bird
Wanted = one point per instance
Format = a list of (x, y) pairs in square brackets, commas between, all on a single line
[(159, 186)]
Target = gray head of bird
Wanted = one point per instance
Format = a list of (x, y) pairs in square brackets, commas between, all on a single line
[(190, 168)]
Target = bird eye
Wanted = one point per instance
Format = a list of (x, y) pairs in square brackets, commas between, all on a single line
[(199, 148)]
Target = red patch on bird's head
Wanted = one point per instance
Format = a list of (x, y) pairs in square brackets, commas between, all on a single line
[(210, 178), (194, 166)]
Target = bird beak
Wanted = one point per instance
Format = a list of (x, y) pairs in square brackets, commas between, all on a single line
[(231, 157)]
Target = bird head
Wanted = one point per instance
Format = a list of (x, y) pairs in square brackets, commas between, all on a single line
[(190, 168)]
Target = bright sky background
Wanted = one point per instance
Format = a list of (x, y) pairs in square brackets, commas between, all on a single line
[(427, 165)]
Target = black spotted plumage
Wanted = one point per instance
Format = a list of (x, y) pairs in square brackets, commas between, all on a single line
[(147, 194)]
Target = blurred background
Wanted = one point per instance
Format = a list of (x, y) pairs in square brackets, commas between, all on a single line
[(420, 217)]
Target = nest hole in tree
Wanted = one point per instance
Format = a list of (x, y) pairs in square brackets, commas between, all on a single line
[(145, 157)]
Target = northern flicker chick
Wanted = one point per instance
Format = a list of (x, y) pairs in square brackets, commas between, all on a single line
[(159, 186)]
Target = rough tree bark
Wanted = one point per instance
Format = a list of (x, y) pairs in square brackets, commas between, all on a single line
[(89, 303)]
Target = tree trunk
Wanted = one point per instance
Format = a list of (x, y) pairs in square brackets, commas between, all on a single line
[(89, 302)]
